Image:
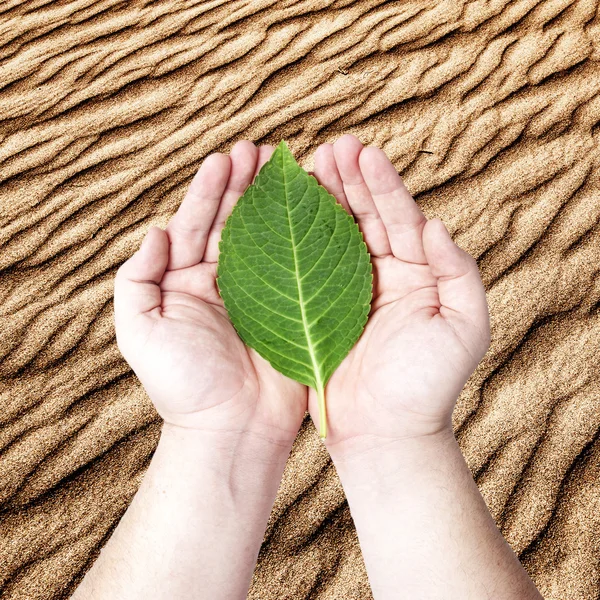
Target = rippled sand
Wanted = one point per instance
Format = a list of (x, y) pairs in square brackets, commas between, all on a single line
[(491, 112)]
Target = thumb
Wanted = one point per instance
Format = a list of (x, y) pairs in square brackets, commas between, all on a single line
[(461, 292), (136, 283)]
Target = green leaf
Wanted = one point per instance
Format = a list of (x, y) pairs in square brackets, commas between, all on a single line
[(294, 274)]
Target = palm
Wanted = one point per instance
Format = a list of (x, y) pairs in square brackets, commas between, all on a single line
[(405, 356), (193, 359), (405, 372), (183, 347)]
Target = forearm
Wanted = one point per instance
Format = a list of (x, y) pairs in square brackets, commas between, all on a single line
[(424, 529), (195, 526)]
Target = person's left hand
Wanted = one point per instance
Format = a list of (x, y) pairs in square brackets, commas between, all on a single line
[(174, 331), (429, 323)]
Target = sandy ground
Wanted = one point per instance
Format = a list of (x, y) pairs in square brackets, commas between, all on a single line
[(491, 112)]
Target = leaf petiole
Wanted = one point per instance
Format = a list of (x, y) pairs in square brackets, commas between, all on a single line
[(322, 412)]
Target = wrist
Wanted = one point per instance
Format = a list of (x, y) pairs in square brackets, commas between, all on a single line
[(380, 465), (244, 421), (275, 418), (242, 461), (226, 445)]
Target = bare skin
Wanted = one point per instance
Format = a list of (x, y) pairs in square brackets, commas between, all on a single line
[(174, 331), (429, 324), (424, 528), (195, 526)]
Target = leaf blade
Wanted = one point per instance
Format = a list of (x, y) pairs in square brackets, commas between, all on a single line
[(294, 274)]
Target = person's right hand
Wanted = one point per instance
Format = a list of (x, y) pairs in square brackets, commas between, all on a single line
[(429, 324), (173, 329)]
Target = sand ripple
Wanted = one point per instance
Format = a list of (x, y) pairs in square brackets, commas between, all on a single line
[(491, 112)]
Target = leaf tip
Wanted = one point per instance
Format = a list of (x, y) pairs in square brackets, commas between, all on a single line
[(284, 150)]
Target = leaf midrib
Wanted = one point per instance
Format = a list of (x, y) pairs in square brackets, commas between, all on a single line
[(311, 350)]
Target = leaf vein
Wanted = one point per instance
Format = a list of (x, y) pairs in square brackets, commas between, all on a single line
[(263, 280), (322, 255), (275, 334), (288, 240), (311, 351), (332, 304), (348, 245), (259, 248), (252, 297)]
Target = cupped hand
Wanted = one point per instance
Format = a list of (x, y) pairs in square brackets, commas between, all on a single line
[(429, 324), (172, 327)]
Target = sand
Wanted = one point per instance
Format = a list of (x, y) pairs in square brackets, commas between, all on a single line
[(491, 113)]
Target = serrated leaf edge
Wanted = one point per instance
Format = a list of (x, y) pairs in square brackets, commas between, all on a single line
[(320, 385)]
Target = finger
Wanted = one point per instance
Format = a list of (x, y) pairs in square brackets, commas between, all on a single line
[(198, 281), (327, 174), (189, 228), (244, 156), (264, 154), (460, 289), (346, 151), (402, 218), (137, 281)]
